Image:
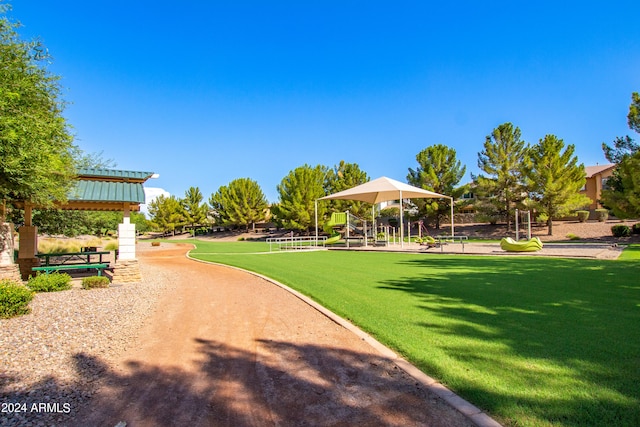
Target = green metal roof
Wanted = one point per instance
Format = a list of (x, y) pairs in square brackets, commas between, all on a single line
[(114, 174), (107, 191), (109, 186)]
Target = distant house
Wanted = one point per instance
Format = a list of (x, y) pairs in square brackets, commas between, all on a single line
[(597, 177)]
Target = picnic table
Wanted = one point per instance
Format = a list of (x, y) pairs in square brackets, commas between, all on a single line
[(51, 268), (70, 258), (443, 240), (84, 260)]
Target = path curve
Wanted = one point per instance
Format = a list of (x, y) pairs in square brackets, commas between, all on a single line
[(228, 348)]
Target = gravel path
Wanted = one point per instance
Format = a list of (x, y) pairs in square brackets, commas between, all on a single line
[(41, 354)]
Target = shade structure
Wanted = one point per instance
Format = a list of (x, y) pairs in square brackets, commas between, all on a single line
[(385, 189)]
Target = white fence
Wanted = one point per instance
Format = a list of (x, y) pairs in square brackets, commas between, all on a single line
[(296, 243)]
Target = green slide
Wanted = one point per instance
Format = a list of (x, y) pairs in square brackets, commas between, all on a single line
[(337, 218), (510, 245)]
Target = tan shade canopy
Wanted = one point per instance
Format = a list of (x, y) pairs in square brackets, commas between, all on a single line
[(384, 189)]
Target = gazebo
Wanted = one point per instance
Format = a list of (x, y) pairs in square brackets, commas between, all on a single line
[(96, 190)]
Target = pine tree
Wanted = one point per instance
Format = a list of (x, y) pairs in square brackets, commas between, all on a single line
[(195, 211), (623, 193), (554, 179), (298, 192), (167, 214), (343, 177), (502, 160), (241, 202), (439, 171)]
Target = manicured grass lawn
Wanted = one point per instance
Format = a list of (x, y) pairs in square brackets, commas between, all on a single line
[(533, 341)]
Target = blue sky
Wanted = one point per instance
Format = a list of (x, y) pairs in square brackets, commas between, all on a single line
[(204, 92)]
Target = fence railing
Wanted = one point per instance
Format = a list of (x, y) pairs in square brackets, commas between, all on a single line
[(297, 243)]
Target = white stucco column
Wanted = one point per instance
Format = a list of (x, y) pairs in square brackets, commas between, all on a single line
[(126, 237)]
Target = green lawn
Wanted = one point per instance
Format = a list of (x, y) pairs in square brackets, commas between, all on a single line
[(533, 341)]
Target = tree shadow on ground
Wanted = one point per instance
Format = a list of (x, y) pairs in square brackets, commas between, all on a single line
[(284, 384), (50, 401), (538, 323)]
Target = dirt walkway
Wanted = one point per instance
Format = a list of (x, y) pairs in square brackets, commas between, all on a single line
[(227, 348)]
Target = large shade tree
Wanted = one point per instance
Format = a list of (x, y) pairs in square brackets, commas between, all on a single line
[(554, 179), (439, 171), (623, 193), (241, 202), (501, 183), (37, 154), (298, 192)]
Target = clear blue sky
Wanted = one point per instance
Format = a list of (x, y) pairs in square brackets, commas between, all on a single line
[(204, 92)]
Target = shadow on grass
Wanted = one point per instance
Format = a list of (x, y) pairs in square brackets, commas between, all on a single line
[(286, 384), (553, 341)]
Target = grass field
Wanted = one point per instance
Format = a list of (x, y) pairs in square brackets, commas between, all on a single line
[(533, 341)]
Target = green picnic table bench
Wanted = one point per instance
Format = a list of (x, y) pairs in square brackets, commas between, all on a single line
[(49, 268), (85, 257)]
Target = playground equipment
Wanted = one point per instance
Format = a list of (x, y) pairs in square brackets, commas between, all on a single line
[(531, 245), (526, 216), (337, 219), (345, 226), (425, 240)]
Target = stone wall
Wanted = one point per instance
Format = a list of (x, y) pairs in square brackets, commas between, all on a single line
[(126, 271), (10, 271)]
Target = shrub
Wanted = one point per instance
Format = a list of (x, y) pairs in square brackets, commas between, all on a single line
[(95, 282), (50, 282), (111, 246), (621, 230), (542, 218), (583, 216), (636, 228), (572, 236), (58, 246), (602, 214), (491, 219), (14, 299)]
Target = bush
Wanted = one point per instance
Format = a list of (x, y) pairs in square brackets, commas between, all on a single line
[(58, 246), (95, 282), (621, 230), (583, 216), (542, 218), (572, 236), (50, 282), (491, 219), (14, 299), (636, 228), (110, 246), (602, 214)]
